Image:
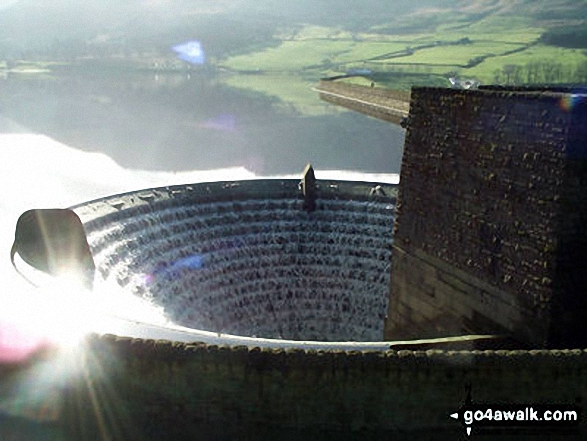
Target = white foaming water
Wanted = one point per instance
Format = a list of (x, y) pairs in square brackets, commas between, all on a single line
[(259, 266)]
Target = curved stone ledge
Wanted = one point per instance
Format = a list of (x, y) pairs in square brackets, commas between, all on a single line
[(171, 351), (184, 390)]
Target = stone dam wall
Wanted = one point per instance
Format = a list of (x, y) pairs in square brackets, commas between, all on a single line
[(388, 105), (490, 230)]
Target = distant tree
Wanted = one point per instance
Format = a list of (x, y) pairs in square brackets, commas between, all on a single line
[(552, 72), (508, 71), (580, 74), (497, 76), (518, 75)]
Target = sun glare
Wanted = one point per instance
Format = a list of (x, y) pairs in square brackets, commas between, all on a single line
[(51, 321), (61, 312)]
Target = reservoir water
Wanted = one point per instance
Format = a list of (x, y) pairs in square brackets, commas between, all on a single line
[(178, 122)]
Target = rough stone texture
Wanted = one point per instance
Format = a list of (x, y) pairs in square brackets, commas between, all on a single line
[(160, 390), (490, 230), (388, 105)]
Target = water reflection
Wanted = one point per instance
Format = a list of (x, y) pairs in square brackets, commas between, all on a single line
[(179, 124), (225, 122)]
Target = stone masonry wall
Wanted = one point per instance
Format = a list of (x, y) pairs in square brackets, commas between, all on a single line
[(491, 195), (161, 390)]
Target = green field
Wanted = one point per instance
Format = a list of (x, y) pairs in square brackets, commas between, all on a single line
[(318, 54), (504, 48), (506, 29), (568, 59), (325, 50), (454, 55)]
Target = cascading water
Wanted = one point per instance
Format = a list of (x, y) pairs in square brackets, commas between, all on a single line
[(245, 258)]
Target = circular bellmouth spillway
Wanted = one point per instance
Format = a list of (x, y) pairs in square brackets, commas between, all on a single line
[(246, 258)]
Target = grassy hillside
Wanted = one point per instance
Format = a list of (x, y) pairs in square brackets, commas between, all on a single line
[(493, 41)]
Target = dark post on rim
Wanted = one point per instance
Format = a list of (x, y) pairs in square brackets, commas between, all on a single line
[(491, 225)]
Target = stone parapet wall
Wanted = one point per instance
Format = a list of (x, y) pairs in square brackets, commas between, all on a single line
[(378, 95), (493, 186), (385, 104), (178, 391)]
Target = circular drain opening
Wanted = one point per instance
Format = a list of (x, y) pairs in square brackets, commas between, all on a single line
[(245, 258)]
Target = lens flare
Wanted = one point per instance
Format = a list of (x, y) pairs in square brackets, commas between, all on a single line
[(61, 313), (172, 270), (19, 342), (569, 101), (46, 342), (190, 51), (62, 310)]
